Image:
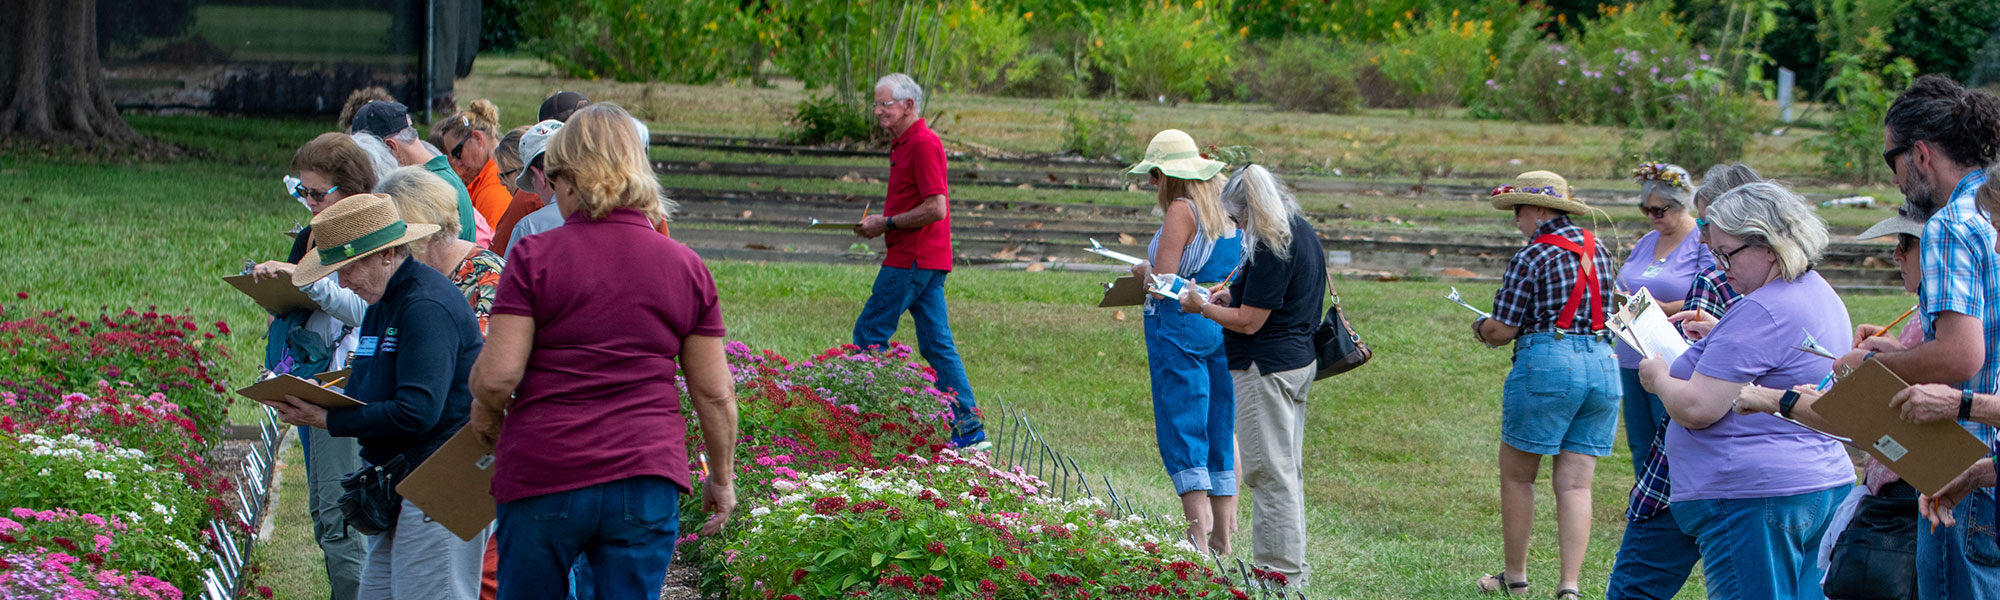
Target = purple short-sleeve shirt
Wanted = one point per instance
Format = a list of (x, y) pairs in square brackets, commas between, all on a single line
[(612, 300), (1761, 456), (1667, 280)]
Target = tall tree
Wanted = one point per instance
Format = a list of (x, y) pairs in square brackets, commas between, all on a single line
[(51, 77)]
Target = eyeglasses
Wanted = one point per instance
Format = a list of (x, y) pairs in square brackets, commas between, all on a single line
[(301, 191), (1722, 258), (460, 148), (1654, 211), (886, 104), (1889, 156)]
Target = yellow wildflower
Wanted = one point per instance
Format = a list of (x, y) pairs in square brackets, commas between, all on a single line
[(1029, 16)]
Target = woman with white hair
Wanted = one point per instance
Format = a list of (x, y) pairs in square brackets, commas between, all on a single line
[(425, 199), (1756, 491), (1268, 316)]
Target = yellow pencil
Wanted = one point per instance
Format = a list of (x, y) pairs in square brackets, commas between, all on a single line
[(1898, 321), (336, 381)]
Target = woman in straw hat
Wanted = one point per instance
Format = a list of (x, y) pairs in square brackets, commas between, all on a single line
[(418, 342), (1269, 314), (1756, 491), (1194, 405), (1561, 398), (576, 387)]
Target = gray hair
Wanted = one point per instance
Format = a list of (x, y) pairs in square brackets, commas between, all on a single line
[(901, 87), (1263, 209), (1677, 197), (1722, 178), (378, 153), (1770, 215)]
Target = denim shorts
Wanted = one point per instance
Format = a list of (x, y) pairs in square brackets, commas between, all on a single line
[(1561, 396)]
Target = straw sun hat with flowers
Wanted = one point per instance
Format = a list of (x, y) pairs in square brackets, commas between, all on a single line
[(351, 230), (1175, 154), (1538, 188)]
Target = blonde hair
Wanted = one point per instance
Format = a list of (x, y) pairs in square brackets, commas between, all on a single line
[(482, 116), (508, 156), (1988, 195), (1769, 215), (1264, 210), (1206, 196), (599, 152), (424, 199)]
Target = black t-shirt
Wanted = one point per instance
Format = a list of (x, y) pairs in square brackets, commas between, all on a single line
[(1293, 291)]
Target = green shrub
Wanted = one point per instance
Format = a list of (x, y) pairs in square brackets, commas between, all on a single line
[(1623, 69), (826, 118), (1040, 74), (1710, 124), (1096, 129), (1165, 49), (677, 41), (72, 472), (1433, 64), (1860, 100), (1304, 74), (988, 49)]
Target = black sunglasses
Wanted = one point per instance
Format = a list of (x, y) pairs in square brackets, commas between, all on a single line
[(455, 150), (1889, 156), (301, 191), (1654, 211)]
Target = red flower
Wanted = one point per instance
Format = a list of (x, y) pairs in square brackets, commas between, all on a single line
[(21, 295), (1027, 578), (264, 591), (798, 575), (997, 562), (790, 597), (222, 327), (987, 585), (936, 548)]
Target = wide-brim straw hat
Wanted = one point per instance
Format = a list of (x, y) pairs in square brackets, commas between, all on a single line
[(1175, 154), (1538, 188), (351, 230), (1892, 226)]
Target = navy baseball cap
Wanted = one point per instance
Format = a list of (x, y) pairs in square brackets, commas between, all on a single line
[(381, 118)]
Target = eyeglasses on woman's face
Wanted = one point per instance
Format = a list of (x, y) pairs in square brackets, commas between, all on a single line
[(301, 191), (1722, 258)]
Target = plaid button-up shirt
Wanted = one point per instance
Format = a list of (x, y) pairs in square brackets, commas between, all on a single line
[(1539, 280), (1959, 276), (1710, 292)]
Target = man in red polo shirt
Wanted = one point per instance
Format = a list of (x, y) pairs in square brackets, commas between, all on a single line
[(917, 222)]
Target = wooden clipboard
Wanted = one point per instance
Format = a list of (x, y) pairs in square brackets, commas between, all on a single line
[(273, 391), (333, 375), (276, 294), (455, 485), (1928, 455), (1124, 291)]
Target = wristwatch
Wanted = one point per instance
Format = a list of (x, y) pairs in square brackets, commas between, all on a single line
[(1786, 402), (1965, 405), (890, 221)]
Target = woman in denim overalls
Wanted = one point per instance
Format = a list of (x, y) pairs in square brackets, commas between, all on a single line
[(1194, 403)]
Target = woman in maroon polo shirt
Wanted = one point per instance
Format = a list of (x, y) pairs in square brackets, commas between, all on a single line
[(576, 385)]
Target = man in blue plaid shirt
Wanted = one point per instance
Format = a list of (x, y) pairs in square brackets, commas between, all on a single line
[(1939, 133)]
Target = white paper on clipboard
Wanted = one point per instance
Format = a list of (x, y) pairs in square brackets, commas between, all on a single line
[(1645, 327)]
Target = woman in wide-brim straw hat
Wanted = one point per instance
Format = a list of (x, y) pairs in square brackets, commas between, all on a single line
[(1194, 404), (418, 343), (1561, 398)]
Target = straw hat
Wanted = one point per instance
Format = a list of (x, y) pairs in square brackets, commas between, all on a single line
[(1892, 226), (1175, 154), (1538, 188), (358, 226)]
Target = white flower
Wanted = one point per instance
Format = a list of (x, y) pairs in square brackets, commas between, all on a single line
[(44, 472), (759, 511)]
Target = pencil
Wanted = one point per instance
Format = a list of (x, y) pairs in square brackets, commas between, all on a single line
[(336, 381), (1899, 320), (864, 209)]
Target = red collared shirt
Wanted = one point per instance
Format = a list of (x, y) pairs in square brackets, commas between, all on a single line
[(917, 171)]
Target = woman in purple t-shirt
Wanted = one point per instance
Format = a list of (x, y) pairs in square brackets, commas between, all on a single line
[(1664, 263), (1756, 491), (576, 386)]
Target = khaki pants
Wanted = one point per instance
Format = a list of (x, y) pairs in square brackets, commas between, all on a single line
[(1270, 433), (328, 460)]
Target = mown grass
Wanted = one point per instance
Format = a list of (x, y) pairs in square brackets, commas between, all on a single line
[(1401, 483)]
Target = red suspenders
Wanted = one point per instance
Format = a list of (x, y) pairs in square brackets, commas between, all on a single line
[(1586, 279)]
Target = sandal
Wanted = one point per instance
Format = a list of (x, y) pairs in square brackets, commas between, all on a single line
[(1569, 593), (1494, 583)]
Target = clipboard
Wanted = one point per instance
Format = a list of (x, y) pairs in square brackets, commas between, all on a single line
[(277, 295), (273, 391), (455, 485), (1124, 291), (1928, 455), (818, 224), (1100, 250), (322, 378), (1644, 327)]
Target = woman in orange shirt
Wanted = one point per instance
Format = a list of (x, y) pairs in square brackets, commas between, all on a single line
[(469, 139)]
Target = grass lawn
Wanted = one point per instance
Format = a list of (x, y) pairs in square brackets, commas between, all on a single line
[(1400, 459)]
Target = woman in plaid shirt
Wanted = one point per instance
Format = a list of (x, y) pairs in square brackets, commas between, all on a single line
[(1561, 399)]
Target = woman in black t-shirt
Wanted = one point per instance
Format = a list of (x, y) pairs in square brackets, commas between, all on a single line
[(1268, 317)]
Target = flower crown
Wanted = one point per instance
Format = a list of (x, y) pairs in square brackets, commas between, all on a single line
[(1658, 171), (1546, 190)]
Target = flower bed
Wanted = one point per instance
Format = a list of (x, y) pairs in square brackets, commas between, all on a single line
[(847, 490), (106, 424)]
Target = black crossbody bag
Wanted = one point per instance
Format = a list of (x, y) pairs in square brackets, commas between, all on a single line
[(371, 504)]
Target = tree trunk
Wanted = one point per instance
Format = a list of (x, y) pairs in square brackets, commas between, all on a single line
[(51, 79)]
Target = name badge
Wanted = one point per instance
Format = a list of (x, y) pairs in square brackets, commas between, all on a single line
[(1652, 272), (367, 346)]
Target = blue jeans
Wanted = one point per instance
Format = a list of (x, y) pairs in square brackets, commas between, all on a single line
[(1645, 416), (1561, 396), (626, 530), (921, 293), (1194, 400), (1761, 547), (1960, 562), (1654, 559)]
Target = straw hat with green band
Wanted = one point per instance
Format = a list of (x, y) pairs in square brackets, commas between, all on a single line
[(351, 230), (1175, 154)]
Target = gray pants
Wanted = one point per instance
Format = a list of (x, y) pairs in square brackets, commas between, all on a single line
[(328, 460), (421, 560), (1270, 433)]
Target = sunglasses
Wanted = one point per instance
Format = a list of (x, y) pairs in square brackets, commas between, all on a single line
[(1654, 211), (301, 191), (1889, 156)]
